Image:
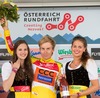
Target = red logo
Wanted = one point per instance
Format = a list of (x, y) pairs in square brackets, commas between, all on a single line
[(67, 18)]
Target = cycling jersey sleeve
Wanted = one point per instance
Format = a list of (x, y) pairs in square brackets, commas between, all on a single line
[(8, 41)]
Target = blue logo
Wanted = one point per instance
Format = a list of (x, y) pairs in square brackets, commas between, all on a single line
[(97, 93)]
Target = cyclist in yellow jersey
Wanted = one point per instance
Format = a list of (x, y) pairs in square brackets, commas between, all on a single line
[(45, 69)]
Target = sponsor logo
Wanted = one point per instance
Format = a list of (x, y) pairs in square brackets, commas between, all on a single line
[(95, 53), (64, 54), (34, 52), (66, 19), (22, 88), (4, 55), (97, 93), (98, 70), (46, 72), (44, 76)]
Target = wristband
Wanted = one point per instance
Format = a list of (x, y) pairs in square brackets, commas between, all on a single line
[(14, 70), (78, 95)]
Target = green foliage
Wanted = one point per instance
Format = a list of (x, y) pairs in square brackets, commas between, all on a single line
[(9, 11)]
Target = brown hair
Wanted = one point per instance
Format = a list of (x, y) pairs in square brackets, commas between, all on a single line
[(27, 62), (47, 39), (85, 56)]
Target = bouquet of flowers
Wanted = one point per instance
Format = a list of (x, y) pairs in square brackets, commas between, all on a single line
[(9, 10)]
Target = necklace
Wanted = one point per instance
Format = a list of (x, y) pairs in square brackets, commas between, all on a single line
[(24, 74), (74, 65), (23, 69), (25, 79)]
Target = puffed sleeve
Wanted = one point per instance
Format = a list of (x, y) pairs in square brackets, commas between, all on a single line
[(6, 70), (92, 69)]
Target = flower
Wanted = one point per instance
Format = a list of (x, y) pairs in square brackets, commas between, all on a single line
[(9, 10)]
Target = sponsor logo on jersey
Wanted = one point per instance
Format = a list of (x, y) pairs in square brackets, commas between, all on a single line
[(45, 76)]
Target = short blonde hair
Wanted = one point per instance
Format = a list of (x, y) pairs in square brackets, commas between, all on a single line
[(47, 39)]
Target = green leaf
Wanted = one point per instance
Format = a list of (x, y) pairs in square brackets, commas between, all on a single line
[(9, 11)]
